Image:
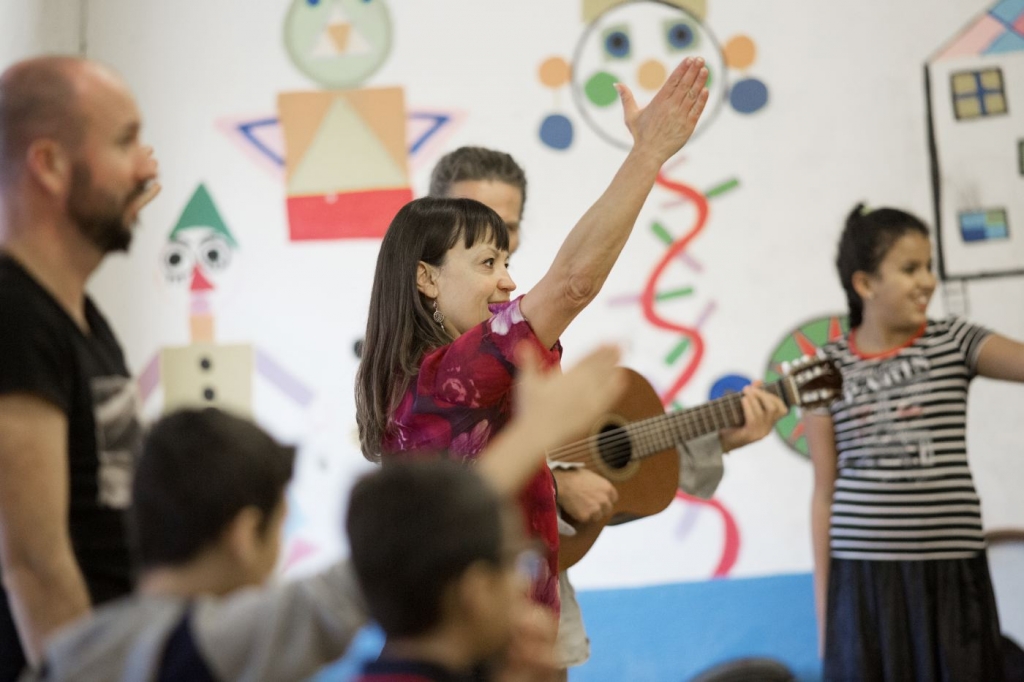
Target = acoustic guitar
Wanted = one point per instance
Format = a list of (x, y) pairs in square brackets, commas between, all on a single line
[(634, 446)]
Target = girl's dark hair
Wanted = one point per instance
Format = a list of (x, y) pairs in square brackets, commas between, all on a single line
[(866, 239), (400, 327)]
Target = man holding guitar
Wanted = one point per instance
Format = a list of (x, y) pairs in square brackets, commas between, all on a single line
[(588, 497)]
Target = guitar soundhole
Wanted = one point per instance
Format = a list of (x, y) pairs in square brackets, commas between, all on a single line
[(614, 447)]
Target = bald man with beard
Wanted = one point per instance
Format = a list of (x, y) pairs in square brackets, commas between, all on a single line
[(74, 174)]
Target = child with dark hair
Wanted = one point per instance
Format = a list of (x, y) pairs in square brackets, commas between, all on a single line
[(447, 587), (901, 578), (207, 517), (206, 522)]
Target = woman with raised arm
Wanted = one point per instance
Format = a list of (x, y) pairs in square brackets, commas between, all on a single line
[(439, 363)]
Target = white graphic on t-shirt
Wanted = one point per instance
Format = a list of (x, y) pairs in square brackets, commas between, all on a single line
[(118, 438), (897, 387)]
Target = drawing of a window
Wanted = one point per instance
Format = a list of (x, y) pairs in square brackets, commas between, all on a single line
[(981, 226), (978, 93)]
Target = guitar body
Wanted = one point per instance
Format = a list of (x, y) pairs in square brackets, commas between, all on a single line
[(645, 486)]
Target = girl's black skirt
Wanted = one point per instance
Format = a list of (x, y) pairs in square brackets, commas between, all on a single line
[(919, 621)]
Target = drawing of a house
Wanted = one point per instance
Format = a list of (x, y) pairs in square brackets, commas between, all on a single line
[(975, 96)]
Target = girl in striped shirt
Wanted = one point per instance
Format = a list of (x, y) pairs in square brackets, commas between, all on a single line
[(902, 584)]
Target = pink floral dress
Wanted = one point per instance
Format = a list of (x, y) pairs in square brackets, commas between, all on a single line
[(461, 397)]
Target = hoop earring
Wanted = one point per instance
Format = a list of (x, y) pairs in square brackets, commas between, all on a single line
[(438, 315)]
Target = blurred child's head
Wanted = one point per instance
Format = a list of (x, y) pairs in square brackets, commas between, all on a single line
[(209, 482), (435, 547), (885, 263)]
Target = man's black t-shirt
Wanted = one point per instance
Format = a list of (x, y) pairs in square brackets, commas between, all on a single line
[(45, 354)]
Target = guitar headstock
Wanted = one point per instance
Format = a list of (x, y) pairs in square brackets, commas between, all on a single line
[(812, 381)]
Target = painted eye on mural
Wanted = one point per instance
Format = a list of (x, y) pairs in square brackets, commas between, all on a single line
[(679, 35), (215, 253), (616, 42), (177, 261)]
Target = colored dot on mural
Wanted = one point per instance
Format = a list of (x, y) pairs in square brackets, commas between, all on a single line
[(313, 3), (730, 383), (555, 72), (739, 52), (651, 74), (556, 131), (357, 348), (600, 88), (748, 95)]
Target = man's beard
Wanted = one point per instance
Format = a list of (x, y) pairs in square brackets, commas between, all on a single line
[(99, 215)]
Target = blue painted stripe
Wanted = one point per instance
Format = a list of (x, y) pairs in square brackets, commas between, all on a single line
[(672, 632)]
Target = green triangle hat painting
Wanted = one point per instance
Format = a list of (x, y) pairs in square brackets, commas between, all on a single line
[(201, 212)]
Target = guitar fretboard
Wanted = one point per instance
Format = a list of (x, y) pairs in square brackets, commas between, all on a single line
[(650, 436)]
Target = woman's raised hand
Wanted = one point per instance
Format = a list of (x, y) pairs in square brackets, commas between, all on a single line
[(666, 123)]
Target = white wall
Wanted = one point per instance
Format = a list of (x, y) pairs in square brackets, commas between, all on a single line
[(845, 122), (29, 27)]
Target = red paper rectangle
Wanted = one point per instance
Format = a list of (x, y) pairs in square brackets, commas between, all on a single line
[(352, 215)]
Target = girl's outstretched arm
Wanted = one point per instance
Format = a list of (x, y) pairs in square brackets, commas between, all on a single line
[(1001, 358)]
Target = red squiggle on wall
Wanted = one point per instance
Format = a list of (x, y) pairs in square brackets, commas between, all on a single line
[(650, 289), (731, 545), (731, 548)]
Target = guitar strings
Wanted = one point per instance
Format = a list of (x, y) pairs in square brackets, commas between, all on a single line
[(580, 451)]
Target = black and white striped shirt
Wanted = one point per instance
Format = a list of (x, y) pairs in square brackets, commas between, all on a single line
[(903, 489)]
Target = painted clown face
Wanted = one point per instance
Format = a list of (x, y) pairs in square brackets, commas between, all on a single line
[(199, 255), (200, 247), (638, 44)]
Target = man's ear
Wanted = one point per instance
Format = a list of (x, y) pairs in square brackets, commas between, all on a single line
[(862, 285), (49, 163), (426, 276)]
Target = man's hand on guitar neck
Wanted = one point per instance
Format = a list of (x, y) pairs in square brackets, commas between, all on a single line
[(584, 495), (760, 412)]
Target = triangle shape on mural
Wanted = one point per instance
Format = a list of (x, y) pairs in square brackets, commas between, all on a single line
[(339, 34), (1010, 41), (357, 42), (265, 137), (325, 46), (201, 212), (423, 126), (345, 155)]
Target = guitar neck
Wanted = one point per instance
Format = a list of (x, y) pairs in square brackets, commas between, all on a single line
[(663, 432)]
